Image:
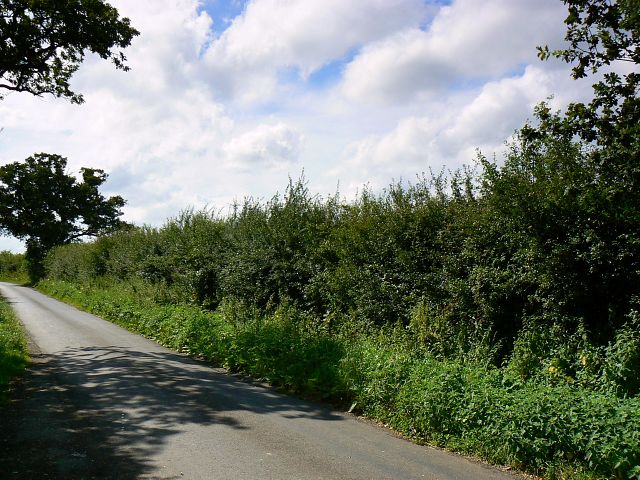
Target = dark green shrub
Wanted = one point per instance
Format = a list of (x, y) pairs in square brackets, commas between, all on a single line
[(194, 249), (273, 252)]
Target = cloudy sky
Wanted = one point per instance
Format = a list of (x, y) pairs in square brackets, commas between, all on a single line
[(228, 98)]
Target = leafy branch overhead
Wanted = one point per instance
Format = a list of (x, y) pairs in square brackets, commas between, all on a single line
[(43, 43), (599, 32)]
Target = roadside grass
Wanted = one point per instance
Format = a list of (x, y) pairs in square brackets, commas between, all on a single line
[(13, 347), (560, 431), (19, 278)]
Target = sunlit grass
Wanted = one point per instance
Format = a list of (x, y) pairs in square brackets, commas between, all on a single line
[(13, 346), (19, 278)]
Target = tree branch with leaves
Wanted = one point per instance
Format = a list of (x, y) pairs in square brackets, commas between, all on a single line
[(43, 43)]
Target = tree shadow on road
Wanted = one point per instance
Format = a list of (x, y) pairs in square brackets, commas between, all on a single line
[(103, 412)]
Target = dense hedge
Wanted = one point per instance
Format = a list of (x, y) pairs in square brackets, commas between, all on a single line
[(529, 263), (494, 311)]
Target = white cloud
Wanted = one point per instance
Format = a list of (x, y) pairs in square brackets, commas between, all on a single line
[(450, 136), (468, 40), (275, 34), (271, 145), (164, 58)]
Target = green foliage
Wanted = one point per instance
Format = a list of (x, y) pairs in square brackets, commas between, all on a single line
[(381, 254), (13, 346), (43, 43), (621, 365), (464, 264), (43, 205), (273, 250), (529, 425), (194, 247), (599, 32)]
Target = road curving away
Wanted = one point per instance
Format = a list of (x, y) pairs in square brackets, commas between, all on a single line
[(100, 402)]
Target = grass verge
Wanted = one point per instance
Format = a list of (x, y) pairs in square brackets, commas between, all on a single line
[(13, 347), (19, 278), (561, 432)]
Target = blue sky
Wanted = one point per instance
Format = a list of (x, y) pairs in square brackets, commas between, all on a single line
[(228, 99), (222, 13)]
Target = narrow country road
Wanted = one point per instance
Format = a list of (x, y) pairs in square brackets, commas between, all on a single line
[(100, 402)]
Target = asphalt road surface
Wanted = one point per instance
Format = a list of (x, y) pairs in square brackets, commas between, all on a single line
[(100, 402)]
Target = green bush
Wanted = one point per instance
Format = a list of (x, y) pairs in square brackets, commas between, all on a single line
[(621, 365), (486, 256)]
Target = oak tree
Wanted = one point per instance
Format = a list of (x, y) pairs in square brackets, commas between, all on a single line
[(45, 206)]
